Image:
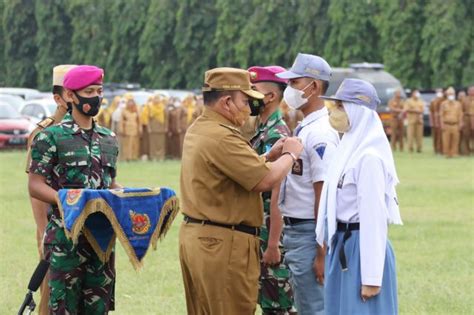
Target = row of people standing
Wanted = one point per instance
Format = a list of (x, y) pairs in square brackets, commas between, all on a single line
[(451, 120), (154, 131)]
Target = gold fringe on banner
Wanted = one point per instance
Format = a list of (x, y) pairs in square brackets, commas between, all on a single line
[(170, 207)]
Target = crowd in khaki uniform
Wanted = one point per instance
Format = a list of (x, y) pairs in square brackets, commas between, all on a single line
[(451, 121), (154, 131)]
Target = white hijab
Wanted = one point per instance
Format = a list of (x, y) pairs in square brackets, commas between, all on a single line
[(365, 136)]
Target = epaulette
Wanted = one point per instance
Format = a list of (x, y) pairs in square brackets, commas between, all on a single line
[(45, 123), (231, 128)]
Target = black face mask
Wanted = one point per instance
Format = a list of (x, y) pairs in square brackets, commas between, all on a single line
[(256, 107), (88, 106)]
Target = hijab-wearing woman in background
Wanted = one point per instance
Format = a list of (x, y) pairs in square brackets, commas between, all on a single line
[(358, 202)]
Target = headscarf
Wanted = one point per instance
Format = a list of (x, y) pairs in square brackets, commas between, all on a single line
[(365, 136)]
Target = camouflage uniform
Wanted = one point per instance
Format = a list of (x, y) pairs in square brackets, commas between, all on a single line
[(69, 157), (275, 294)]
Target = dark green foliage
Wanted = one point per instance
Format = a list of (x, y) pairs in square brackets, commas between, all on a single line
[(170, 44)]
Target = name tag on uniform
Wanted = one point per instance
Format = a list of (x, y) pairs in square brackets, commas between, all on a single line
[(341, 181), (297, 168)]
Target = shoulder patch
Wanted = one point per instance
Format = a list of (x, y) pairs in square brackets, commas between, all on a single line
[(45, 123), (320, 148)]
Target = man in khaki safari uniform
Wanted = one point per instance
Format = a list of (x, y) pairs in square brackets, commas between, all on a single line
[(451, 123), (414, 107), (221, 180)]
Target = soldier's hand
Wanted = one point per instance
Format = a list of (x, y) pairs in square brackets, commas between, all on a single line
[(368, 291), (276, 150), (318, 268), (293, 145), (271, 256)]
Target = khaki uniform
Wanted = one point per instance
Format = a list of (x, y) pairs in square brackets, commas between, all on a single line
[(467, 134), (436, 124), (40, 208), (198, 110), (396, 137), (451, 118), (220, 266), (130, 134), (174, 130), (185, 117), (415, 123), (154, 116)]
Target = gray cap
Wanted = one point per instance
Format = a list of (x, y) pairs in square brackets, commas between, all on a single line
[(356, 91), (306, 65)]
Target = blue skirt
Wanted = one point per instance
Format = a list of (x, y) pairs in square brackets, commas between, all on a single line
[(342, 288)]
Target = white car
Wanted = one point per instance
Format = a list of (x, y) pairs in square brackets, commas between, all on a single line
[(38, 109), (26, 94), (13, 100)]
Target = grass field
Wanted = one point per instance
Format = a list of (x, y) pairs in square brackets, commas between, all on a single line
[(435, 247)]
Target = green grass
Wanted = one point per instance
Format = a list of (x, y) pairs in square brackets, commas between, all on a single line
[(434, 249)]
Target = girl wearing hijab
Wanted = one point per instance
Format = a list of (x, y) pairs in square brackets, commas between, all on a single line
[(358, 202)]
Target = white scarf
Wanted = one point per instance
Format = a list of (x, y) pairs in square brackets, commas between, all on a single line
[(365, 136)]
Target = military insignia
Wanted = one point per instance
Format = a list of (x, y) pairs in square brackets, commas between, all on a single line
[(297, 168), (73, 196), (320, 148), (86, 108), (363, 98), (140, 222), (253, 75)]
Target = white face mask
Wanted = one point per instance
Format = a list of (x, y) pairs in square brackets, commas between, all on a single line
[(451, 97), (294, 97), (439, 94)]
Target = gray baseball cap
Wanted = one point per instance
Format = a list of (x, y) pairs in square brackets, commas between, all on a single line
[(356, 91), (306, 65)]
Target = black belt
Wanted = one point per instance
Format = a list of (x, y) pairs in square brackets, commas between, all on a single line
[(346, 228), (293, 221), (240, 227)]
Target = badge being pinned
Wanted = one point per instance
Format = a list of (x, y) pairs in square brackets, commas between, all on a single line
[(320, 148)]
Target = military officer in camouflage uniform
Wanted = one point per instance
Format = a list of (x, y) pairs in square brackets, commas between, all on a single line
[(77, 153), (275, 294), (40, 208)]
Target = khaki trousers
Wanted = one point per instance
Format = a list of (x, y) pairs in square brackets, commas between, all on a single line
[(464, 143), (451, 140), (130, 147), (437, 142), (220, 269), (157, 145), (397, 134), (415, 133)]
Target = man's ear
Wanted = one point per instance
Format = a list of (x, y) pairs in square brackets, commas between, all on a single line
[(69, 96)]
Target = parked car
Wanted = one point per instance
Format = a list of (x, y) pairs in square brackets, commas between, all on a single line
[(14, 129), (14, 100), (37, 110), (385, 84), (26, 94), (428, 96)]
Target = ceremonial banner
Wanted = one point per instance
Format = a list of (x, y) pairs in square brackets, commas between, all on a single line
[(137, 216)]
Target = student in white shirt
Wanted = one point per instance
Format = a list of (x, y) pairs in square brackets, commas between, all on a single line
[(358, 202), (300, 191)]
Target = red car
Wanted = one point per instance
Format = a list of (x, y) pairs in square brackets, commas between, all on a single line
[(14, 129)]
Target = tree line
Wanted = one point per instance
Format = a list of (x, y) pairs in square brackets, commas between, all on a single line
[(170, 43)]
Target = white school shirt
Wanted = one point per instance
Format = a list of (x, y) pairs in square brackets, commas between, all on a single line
[(319, 140), (361, 198)]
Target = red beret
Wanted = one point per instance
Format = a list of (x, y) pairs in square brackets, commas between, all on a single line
[(266, 74), (82, 76)]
